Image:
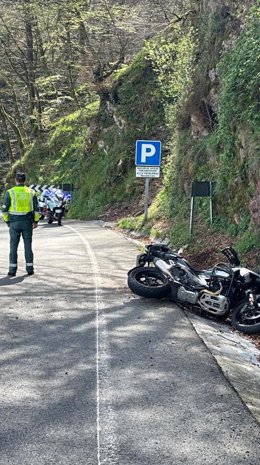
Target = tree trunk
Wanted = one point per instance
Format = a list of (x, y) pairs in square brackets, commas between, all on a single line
[(34, 100), (18, 114), (30, 62), (69, 66), (41, 51), (4, 114), (7, 138)]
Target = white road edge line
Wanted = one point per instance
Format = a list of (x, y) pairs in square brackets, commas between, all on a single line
[(110, 446)]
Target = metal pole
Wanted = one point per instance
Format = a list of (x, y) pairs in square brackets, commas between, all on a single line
[(191, 214), (211, 204), (146, 198)]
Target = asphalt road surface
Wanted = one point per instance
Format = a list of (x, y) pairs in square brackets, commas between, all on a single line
[(91, 375)]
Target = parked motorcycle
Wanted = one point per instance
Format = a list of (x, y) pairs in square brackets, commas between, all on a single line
[(226, 288), (53, 205)]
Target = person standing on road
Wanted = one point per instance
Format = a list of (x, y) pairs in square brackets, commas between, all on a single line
[(21, 213)]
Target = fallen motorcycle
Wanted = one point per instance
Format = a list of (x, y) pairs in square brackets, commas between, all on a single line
[(223, 290)]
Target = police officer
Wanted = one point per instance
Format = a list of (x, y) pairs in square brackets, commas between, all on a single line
[(21, 213)]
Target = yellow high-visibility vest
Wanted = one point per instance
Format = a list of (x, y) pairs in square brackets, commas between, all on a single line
[(21, 202)]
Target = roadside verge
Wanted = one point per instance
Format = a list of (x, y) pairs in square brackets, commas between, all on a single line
[(238, 358)]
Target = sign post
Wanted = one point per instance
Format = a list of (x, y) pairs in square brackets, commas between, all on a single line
[(201, 189), (211, 201), (191, 215), (147, 161), (146, 198)]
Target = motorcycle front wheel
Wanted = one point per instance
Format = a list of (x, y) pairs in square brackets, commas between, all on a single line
[(59, 216), (148, 282), (245, 319)]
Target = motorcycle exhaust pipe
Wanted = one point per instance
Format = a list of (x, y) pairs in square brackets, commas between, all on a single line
[(163, 266), (216, 293)]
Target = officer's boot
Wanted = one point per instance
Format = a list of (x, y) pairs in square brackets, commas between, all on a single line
[(12, 269)]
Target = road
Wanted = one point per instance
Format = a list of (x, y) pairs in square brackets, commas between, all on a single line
[(92, 375)]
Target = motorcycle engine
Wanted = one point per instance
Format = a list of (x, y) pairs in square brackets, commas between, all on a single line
[(187, 296), (215, 304)]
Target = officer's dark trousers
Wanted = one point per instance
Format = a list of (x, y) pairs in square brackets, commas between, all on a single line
[(18, 228)]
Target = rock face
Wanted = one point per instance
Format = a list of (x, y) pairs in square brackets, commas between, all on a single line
[(255, 206), (212, 5), (199, 125), (120, 122)]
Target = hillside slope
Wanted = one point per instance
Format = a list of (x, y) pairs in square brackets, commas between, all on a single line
[(196, 88)]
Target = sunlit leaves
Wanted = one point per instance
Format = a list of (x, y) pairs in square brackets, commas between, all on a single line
[(172, 57)]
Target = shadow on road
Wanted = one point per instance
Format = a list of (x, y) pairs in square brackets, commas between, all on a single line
[(168, 395), (47, 225), (8, 281)]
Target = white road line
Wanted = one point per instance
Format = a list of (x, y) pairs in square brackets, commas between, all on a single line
[(107, 443)]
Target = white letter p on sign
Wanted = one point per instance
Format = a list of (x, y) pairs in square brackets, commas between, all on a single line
[(148, 150)]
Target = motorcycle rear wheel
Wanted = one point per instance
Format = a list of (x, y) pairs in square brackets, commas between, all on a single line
[(245, 321), (148, 282)]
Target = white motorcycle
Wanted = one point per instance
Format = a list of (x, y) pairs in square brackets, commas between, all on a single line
[(53, 205), (226, 289)]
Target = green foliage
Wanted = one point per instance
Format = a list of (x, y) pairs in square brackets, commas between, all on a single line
[(179, 234), (110, 168), (238, 131), (172, 57), (158, 96), (58, 158), (145, 115), (239, 71), (229, 154), (248, 241), (131, 223), (233, 229)]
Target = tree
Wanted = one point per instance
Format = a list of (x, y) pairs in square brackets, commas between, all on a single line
[(51, 49)]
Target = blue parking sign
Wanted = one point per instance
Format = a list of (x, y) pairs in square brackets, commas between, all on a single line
[(148, 153)]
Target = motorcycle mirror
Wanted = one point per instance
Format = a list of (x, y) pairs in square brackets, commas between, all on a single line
[(181, 250), (231, 255)]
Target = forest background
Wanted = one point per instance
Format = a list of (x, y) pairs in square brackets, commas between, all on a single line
[(82, 80)]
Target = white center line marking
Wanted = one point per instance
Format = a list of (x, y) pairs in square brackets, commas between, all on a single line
[(107, 449)]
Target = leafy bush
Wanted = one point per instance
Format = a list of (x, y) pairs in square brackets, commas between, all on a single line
[(248, 241), (239, 116)]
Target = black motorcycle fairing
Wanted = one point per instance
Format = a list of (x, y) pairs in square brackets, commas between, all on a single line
[(155, 250), (198, 277), (143, 259), (181, 268), (248, 274), (247, 279), (180, 271), (159, 249)]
